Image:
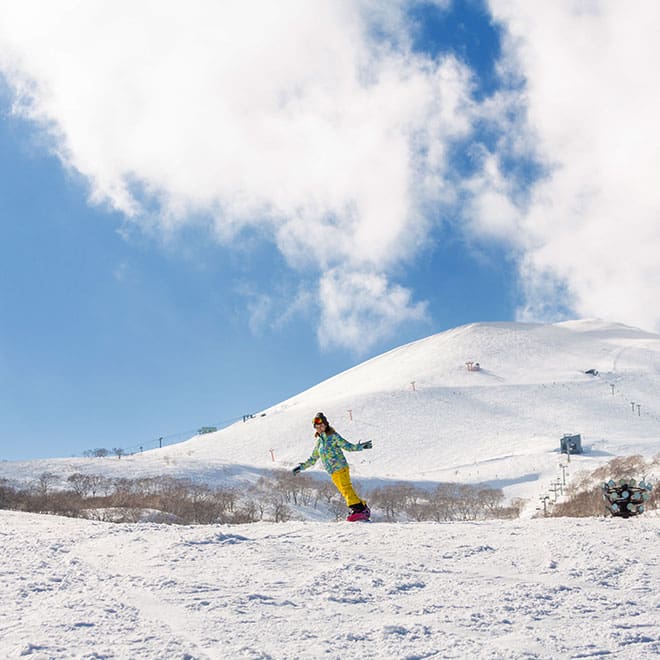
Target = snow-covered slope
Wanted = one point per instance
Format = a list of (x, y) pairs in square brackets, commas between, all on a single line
[(432, 420)]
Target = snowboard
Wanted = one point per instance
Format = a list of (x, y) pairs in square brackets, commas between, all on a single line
[(627, 497), (362, 516)]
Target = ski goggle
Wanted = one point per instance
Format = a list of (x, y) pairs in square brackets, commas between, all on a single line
[(317, 421)]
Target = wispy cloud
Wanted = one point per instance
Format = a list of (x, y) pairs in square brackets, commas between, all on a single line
[(275, 309), (358, 307)]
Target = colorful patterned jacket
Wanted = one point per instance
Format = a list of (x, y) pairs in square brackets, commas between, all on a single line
[(329, 449)]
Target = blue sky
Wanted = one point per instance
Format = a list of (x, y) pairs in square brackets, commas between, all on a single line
[(184, 242)]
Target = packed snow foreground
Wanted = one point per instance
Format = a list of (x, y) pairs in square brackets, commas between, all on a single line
[(549, 588), (545, 588), (310, 587)]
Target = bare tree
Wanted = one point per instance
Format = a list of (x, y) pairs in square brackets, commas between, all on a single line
[(99, 485), (81, 484), (45, 481), (490, 499), (281, 512), (250, 512), (7, 495)]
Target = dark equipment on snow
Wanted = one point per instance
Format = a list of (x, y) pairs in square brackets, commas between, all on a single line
[(571, 444), (627, 497)]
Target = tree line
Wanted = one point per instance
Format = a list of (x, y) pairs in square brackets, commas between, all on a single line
[(102, 452), (278, 496)]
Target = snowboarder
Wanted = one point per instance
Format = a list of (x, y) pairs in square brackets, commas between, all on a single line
[(329, 445)]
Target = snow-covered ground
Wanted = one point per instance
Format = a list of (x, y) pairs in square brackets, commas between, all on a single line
[(432, 420), (544, 588)]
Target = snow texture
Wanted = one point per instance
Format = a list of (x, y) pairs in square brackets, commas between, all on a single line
[(544, 588)]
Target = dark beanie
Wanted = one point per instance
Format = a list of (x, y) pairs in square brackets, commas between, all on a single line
[(320, 416)]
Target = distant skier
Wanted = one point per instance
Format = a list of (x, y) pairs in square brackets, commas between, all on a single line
[(329, 445)]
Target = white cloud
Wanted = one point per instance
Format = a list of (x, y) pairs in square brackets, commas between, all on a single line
[(282, 116), (589, 232), (490, 210), (360, 309)]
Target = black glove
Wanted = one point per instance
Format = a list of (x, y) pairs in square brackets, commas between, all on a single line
[(366, 445), (297, 469)]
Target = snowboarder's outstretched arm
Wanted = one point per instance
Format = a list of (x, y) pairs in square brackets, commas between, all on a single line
[(309, 462), (349, 446)]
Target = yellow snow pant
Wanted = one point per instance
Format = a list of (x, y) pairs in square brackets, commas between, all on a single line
[(342, 479)]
